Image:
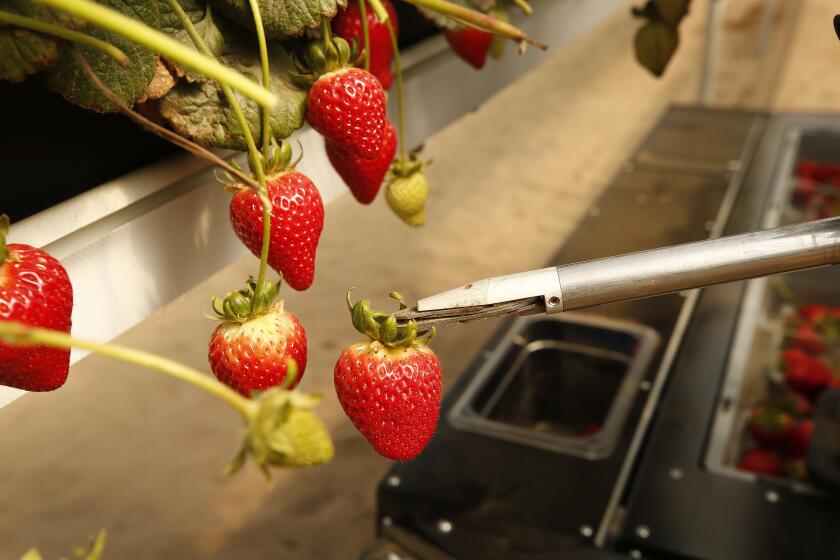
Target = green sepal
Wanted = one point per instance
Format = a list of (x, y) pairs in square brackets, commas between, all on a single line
[(363, 320), (382, 327), (5, 225), (388, 330)]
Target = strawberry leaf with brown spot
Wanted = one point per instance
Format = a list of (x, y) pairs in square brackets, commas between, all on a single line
[(24, 52)]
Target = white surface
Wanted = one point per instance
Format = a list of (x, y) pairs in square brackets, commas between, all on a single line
[(136, 243)]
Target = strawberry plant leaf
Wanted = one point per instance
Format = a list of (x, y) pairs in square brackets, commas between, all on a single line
[(199, 111), (69, 79), (672, 11), (24, 52), (201, 17), (655, 44), (281, 18), (447, 23)]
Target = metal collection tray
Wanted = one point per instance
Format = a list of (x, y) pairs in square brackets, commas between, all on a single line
[(563, 384)]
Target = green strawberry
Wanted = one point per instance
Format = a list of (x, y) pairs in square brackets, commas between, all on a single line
[(406, 193)]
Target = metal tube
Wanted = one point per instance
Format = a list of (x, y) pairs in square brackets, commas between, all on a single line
[(705, 263)]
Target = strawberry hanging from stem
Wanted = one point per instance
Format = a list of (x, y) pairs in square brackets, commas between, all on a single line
[(346, 105), (389, 385), (250, 349), (295, 224), (358, 23), (34, 290)]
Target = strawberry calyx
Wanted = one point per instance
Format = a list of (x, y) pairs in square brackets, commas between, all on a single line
[(331, 54), (382, 327), (249, 302), (282, 429), (406, 167), (5, 225)]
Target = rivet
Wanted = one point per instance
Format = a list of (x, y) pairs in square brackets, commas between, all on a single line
[(676, 473), (444, 526), (586, 531), (643, 531), (387, 521), (394, 480), (636, 554), (772, 497)]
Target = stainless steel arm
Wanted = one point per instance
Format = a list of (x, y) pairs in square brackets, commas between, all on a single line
[(694, 265)]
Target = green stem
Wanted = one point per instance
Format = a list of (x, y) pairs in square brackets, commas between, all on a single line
[(17, 333), (231, 98), (478, 19), (155, 40), (400, 95), (326, 36), (266, 135), (379, 10), (365, 32), (64, 33), (524, 6), (5, 225), (266, 75)]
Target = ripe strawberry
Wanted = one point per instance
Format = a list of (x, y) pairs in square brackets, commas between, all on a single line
[(390, 385), (345, 104), (297, 219), (769, 426), (470, 44), (805, 373), (407, 191), (34, 290), (761, 461), (250, 350), (348, 25), (364, 176), (798, 439), (813, 313), (806, 337)]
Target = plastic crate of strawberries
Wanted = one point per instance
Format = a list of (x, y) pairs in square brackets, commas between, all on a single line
[(779, 428), (816, 191)]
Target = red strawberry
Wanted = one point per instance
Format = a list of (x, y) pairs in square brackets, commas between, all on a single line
[(250, 350), (348, 25), (34, 290), (470, 44), (798, 439), (390, 385), (813, 313), (297, 218), (761, 461), (805, 190), (807, 338), (769, 426), (364, 176), (806, 168), (805, 373)]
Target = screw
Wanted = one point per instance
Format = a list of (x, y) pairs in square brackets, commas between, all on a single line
[(676, 473), (553, 301), (444, 526), (586, 531), (643, 531), (387, 521), (393, 480), (772, 496)]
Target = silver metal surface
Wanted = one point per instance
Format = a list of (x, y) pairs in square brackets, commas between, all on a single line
[(704, 263), (499, 289)]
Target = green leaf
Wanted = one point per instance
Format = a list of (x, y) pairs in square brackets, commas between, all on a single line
[(69, 79), (24, 52), (201, 17), (281, 18), (447, 23), (655, 44), (672, 11), (199, 110)]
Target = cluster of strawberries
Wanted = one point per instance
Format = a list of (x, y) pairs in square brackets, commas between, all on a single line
[(782, 425), (817, 189)]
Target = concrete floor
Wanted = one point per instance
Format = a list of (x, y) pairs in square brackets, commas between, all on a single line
[(141, 455)]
